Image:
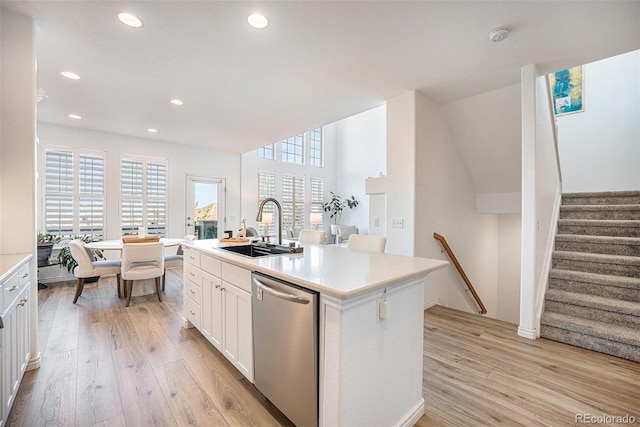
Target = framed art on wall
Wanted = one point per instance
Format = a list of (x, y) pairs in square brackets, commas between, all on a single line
[(567, 88)]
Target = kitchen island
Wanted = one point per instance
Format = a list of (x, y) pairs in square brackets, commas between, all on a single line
[(370, 322)]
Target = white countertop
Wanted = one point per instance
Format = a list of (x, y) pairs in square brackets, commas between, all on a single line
[(8, 263), (333, 270)]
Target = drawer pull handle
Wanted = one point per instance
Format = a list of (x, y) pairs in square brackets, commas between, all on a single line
[(192, 313), (191, 274), (25, 275), (13, 288), (217, 286), (22, 302), (191, 290)]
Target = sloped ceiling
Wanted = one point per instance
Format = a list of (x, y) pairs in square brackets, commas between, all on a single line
[(317, 62)]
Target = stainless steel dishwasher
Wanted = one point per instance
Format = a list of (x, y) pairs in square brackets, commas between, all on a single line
[(285, 347)]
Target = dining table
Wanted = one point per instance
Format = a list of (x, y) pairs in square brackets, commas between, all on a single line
[(141, 287), (116, 245)]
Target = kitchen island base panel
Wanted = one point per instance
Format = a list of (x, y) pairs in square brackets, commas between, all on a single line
[(371, 368)]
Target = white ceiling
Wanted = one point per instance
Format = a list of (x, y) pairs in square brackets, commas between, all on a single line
[(317, 62)]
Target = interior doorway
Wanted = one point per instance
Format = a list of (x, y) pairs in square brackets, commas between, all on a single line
[(205, 209)]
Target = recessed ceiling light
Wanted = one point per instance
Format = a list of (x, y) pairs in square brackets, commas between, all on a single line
[(70, 75), (257, 20), (177, 102), (75, 116), (152, 130), (130, 20)]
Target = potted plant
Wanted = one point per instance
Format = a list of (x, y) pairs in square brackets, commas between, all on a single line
[(45, 246), (335, 206), (68, 262)]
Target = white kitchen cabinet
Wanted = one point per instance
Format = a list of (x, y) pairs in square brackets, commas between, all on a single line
[(217, 301), (238, 338), (14, 336)]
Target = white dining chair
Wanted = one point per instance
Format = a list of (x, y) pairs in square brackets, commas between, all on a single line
[(142, 261), (312, 236), (362, 242), (88, 267), (175, 260)]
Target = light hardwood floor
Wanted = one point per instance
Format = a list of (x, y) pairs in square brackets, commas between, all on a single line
[(107, 365)]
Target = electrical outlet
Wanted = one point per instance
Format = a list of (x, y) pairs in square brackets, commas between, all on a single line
[(376, 222), (397, 223)]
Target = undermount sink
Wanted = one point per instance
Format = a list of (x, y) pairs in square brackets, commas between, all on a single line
[(258, 250)]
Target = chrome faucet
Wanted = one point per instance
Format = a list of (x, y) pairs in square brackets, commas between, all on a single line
[(259, 216)]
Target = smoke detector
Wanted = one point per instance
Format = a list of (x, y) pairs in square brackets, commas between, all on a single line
[(499, 34)]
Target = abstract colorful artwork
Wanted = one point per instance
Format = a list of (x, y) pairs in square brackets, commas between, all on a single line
[(567, 89)]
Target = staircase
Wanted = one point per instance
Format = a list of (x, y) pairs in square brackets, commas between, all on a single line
[(593, 299)]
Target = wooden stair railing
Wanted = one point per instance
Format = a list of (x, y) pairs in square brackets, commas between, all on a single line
[(455, 262)]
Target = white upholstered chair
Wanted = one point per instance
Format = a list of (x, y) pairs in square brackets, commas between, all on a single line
[(88, 267), (361, 242), (175, 261), (345, 231), (142, 261), (293, 233), (312, 236)]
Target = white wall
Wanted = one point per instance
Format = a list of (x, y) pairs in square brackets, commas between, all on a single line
[(508, 292), (541, 187), (401, 173), (446, 204), (360, 143), (17, 137), (600, 147), (183, 160)]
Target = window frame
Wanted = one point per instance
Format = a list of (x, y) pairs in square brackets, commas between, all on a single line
[(144, 196), (77, 196)]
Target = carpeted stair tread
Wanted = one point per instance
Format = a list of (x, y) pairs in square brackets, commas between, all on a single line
[(612, 245), (604, 212), (604, 258), (593, 328), (610, 198), (600, 227), (595, 278), (593, 301), (618, 265), (614, 348)]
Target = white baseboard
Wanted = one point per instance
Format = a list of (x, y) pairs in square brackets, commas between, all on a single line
[(34, 362), (435, 301), (413, 416), (532, 334)]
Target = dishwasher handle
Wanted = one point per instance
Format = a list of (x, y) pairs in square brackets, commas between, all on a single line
[(282, 295)]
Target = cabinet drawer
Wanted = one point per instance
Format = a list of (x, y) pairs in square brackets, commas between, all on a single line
[(193, 291), (237, 276), (193, 274), (192, 312), (10, 291), (191, 256), (211, 265), (23, 276)]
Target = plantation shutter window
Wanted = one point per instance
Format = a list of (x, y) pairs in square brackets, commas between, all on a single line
[(74, 193), (143, 192), (266, 189), (292, 202)]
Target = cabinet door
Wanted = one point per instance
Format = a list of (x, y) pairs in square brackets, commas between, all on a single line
[(212, 309), (238, 338), (22, 328), (9, 359)]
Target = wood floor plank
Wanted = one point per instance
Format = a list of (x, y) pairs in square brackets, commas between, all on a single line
[(142, 399), (158, 348), (235, 403), (97, 391), (188, 401)]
